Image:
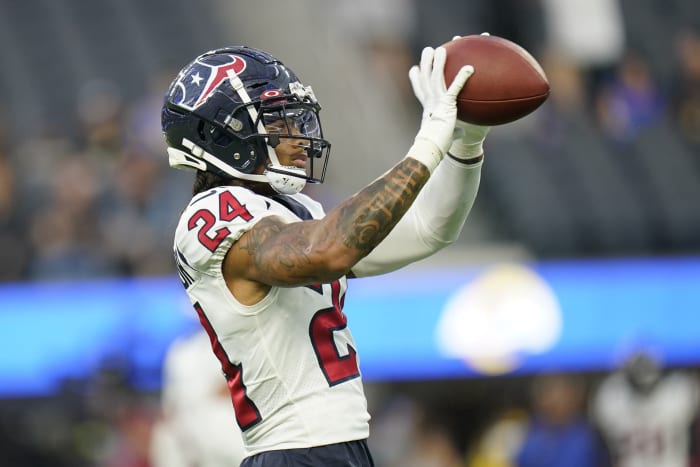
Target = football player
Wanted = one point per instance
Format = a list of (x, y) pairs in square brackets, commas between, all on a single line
[(646, 412), (266, 269)]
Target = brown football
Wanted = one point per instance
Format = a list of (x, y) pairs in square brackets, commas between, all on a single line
[(507, 83)]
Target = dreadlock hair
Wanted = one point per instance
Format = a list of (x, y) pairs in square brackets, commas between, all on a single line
[(204, 181), (207, 180)]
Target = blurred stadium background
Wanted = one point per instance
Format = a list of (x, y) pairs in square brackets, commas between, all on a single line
[(588, 211)]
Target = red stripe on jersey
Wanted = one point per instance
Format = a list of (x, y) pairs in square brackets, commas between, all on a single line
[(247, 413)]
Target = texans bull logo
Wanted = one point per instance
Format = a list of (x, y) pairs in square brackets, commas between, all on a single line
[(201, 79)]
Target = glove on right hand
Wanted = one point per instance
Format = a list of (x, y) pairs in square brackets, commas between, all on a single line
[(468, 138), (439, 105)]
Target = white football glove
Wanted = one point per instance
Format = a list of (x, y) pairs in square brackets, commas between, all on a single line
[(435, 135), (468, 139)]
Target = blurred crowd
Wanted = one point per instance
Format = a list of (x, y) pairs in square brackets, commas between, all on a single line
[(640, 415), (609, 165), (98, 203)]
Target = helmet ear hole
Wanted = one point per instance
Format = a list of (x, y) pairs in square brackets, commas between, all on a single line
[(200, 130), (220, 138)]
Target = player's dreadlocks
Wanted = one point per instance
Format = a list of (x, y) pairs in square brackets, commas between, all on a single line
[(207, 180)]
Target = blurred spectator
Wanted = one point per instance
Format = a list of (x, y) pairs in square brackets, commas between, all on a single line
[(65, 234), (686, 89), (587, 33), (122, 417), (559, 434), (131, 441), (197, 426), (142, 128), (14, 249), (393, 429), (135, 217), (407, 433), (631, 101), (434, 447), (382, 30), (102, 194), (555, 173), (646, 413), (100, 110), (439, 20), (500, 442)]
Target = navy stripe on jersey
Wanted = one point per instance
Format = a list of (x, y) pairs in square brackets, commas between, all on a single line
[(293, 205)]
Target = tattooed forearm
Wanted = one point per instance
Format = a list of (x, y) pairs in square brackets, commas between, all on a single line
[(280, 253), (366, 218)]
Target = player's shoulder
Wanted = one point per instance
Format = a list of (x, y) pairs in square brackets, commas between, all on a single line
[(214, 218), (227, 203), (611, 389), (683, 385), (212, 221)]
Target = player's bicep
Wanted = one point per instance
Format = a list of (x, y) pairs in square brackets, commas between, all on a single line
[(277, 253)]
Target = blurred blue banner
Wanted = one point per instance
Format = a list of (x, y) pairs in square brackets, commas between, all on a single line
[(416, 324)]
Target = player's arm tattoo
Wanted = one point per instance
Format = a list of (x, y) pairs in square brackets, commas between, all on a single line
[(368, 217), (290, 252)]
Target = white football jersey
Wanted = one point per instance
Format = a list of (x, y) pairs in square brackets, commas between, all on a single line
[(648, 430), (290, 360)]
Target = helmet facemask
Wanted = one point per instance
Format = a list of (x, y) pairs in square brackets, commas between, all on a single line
[(290, 118)]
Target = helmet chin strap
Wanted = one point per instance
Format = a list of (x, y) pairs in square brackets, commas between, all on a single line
[(283, 182), (288, 183)]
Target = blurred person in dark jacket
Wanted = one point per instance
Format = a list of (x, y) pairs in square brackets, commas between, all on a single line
[(559, 435)]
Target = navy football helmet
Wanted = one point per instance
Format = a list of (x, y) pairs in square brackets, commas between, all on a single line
[(215, 114)]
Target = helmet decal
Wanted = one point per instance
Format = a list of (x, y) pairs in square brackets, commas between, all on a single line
[(198, 82)]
